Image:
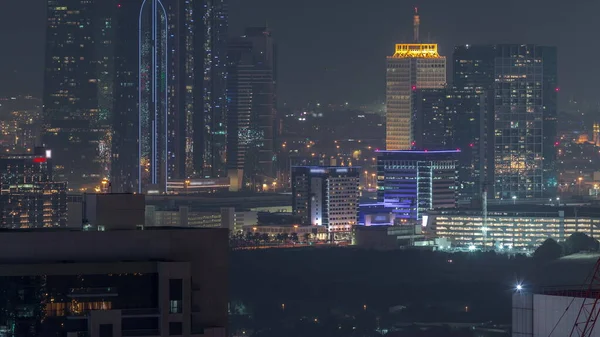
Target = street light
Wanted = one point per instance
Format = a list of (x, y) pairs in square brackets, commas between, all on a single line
[(514, 198)]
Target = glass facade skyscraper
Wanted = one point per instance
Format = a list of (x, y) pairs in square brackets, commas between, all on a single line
[(78, 88), (522, 104), (170, 96), (518, 90)]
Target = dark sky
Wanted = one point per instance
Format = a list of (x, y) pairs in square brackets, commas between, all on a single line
[(334, 50)]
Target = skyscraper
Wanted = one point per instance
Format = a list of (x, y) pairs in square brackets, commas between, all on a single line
[(413, 66), (518, 84), (78, 89), (432, 122), (170, 93), (251, 109)]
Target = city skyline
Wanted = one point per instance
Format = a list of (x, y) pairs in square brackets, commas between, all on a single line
[(469, 22)]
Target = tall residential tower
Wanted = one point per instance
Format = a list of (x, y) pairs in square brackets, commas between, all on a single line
[(170, 93), (413, 66)]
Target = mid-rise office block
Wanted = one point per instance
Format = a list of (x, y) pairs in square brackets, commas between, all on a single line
[(29, 198), (413, 182), (327, 196), (152, 282)]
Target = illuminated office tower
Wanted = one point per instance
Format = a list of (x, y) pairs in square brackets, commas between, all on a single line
[(518, 92), (525, 103), (413, 66), (78, 88), (251, 109)]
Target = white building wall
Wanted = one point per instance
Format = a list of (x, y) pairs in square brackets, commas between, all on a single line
[(316, 201), (536, 315)]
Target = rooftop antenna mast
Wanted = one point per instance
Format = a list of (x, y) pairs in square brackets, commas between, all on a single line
[(416, 24)]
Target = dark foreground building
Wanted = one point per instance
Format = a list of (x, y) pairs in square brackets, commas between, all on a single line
[(155, 282)]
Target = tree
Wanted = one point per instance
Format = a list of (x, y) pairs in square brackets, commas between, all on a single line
[(306, 237), (265, 237), (549, 250), (578, 242), (294, 237)]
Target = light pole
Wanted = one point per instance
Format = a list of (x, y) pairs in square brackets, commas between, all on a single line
[(514, 198)]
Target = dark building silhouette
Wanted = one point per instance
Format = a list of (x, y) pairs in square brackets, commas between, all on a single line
[(126, 282), (251, 109)]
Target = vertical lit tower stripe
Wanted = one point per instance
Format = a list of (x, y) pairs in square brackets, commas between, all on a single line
[(166, 103), (139, 159), (156, 44)]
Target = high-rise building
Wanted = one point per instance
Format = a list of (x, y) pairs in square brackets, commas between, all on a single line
[(29, 198), (327, 196), (518, 90), (432, 122), (525, 95), (413, 66), (170, 93), (415, 181), (78, 88), (465, 109), (126, 282), (473, 67), (251, 109)]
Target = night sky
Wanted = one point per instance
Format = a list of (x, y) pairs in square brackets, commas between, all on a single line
[(334, 50)]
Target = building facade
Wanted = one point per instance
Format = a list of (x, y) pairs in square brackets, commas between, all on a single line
[(415, 181), (29, 197), (78, 89), (327, 196), (168, 83), (117, 283), (518, 86), (251, 109), (411, 67), (517, 226)]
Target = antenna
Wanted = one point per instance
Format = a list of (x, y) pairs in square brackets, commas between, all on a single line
[(416, 24)]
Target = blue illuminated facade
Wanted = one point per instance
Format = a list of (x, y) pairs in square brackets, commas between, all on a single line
[(413, 181)]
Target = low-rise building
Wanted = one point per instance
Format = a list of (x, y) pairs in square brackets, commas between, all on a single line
[(518, 226)]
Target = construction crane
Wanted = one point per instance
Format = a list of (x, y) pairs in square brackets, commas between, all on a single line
[(590, 307)]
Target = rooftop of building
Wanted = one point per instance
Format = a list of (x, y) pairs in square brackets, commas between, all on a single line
[(569, 211), (567, 273), (419, 151)]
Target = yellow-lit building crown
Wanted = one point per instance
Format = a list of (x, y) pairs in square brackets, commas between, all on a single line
[(416, 50)]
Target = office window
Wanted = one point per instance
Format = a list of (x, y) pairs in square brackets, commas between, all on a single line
[(105, 330), (175, 328), (176, 296)]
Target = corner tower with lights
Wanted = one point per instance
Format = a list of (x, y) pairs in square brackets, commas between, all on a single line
[(413, 65)]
